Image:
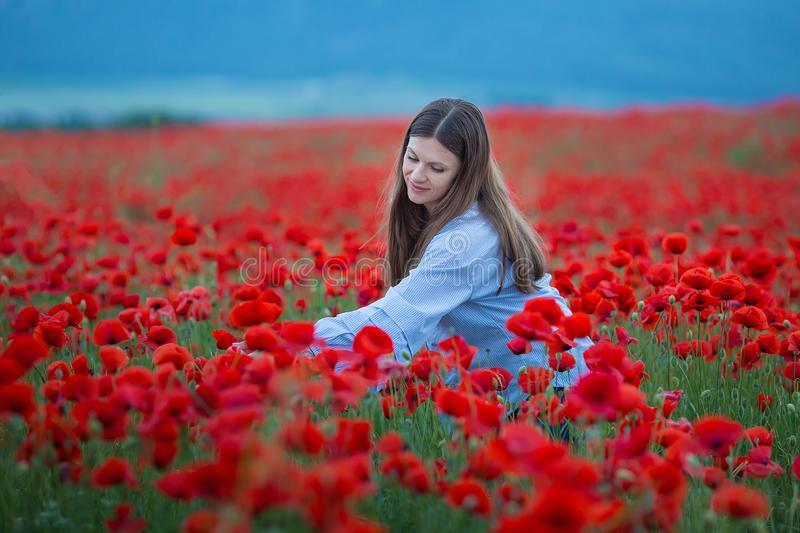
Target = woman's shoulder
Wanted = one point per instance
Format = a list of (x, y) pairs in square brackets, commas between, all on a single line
[(471, 219)]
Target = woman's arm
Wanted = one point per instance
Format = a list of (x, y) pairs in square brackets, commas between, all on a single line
[(411, 310)]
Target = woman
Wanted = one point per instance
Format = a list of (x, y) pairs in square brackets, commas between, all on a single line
[(460, 257)]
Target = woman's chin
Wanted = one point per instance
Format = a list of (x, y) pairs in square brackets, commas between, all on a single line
[(415, 198)]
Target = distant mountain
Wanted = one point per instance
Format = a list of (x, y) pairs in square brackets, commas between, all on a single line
[(278, 58)]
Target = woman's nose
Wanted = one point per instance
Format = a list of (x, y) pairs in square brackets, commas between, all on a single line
[(417, 176)]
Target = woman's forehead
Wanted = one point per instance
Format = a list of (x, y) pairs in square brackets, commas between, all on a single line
[(430, 149)]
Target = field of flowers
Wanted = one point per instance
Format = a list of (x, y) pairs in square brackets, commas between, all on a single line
[(131, 261)]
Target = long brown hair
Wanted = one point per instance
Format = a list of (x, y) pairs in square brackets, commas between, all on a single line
[(459, 126)]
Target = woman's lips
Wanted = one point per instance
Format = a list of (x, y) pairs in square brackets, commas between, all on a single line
[(418, 189)]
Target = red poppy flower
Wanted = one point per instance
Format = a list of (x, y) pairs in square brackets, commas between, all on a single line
[(202, 521), (52, 333), (461, 353), (252, 313), (159, 335), (303, 436), (489, 379), (764, 401), (388, 406), (26, 351), (760, 267), (697, 278), (261, 338), (352, 437), (659, 274), (372, 342), (623, 337), (390, 443), (124, 522), (26, 319), (636, 246), (547, 308), (115, 471), (58, 370), (451, 402), (713, 477), (674, 243), (518, 345), (668, 482), (738, 501), (87, 303), (17, 398), (796, 467), (561, 362), (717, 434), (224, 338), (110, 331), (699, 301), (791, 372), (729, 286), (534, 380), (596, 394), (298, 332), (408, 470), (750, 317), (422, 365), (619, 258), (184, 236), (164, 212), (483, 465), (171, 354), (528, 325), (768, 343), (75, 317), (760, 465), (469, 495), (246, 293), (113, 359), (790, 347), (554, 508), (164, 453), (577, 325)]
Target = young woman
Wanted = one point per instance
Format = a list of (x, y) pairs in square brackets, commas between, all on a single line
[(460, 258)]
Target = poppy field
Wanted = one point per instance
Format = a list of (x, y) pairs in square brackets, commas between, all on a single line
[(132, 261)]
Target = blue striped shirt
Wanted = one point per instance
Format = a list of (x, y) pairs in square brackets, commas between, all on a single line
[(452, 291)]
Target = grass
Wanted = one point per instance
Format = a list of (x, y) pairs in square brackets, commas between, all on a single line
[(36, 498)]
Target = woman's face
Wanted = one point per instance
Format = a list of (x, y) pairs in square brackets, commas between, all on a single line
[(428, 169)]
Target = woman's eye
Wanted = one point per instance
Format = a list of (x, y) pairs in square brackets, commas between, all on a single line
[(412, 158)]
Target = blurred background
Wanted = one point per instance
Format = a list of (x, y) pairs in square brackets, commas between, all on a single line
[(89, 61)]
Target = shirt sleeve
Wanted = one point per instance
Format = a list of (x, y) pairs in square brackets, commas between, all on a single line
[(410, 311)]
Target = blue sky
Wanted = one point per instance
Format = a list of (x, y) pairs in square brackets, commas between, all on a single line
[(237, 57)]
